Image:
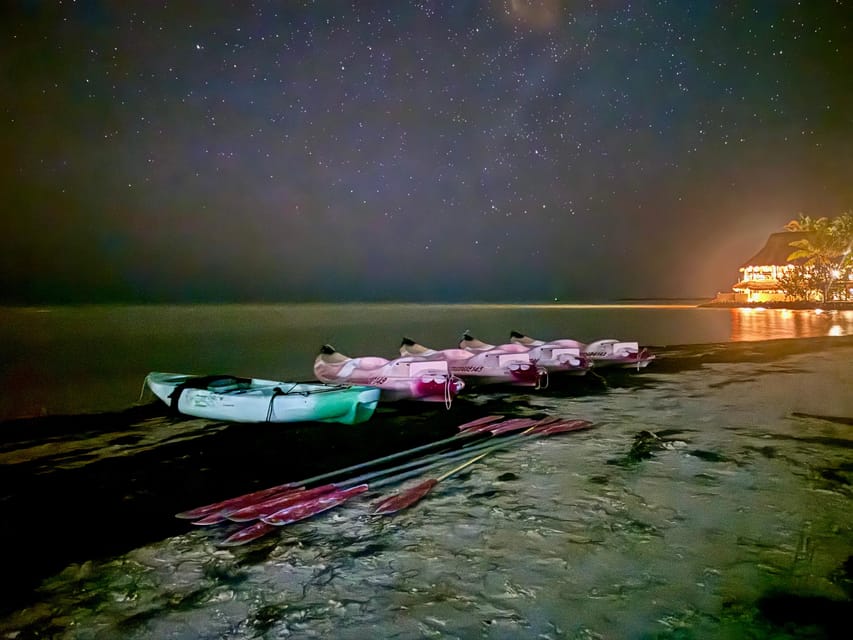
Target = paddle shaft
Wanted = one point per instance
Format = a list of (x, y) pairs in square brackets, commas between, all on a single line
[(394, 456), (336, 497), (418, 466), (304, 510), (411, 496), (442, 458), (480, 450), (468, 430), (398, 473)]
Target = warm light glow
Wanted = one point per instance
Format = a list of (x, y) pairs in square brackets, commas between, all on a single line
[(818, 311), (789, 323)]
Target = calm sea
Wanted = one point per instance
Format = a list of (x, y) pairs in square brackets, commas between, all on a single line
[(80, 359)]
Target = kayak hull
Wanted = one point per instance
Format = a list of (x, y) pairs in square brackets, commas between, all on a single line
[(406, 378), (256, 400)]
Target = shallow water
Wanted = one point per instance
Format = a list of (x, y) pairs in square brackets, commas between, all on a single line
[(59, 360), (707, 502)]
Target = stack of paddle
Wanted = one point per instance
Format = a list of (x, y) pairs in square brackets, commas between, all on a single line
[(294, 501)]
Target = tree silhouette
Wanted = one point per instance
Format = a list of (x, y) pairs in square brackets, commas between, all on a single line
[(825, 251)]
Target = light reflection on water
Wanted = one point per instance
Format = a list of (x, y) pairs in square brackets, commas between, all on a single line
[(580, 536), (768, 324)]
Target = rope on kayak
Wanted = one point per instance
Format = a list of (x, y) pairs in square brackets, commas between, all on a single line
[(448, 395), (275, 393), (278, 391), (326, 388), (544, 376), (601, 378), (142, 390)]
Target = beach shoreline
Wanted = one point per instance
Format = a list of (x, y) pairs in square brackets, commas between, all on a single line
[(110, 483)]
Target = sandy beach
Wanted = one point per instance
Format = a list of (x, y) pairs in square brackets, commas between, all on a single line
[(87, 494)]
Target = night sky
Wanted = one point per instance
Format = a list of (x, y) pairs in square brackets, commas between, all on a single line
[(469, 150)]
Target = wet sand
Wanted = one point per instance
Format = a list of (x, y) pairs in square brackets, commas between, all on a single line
[(88, 487)]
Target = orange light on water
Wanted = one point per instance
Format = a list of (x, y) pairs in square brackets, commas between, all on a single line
[(749, 324)]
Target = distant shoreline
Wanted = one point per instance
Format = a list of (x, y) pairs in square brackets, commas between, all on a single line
[(793, 306), (707, 303)]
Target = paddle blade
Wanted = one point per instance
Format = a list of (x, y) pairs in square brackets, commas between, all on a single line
[(307, 508), (213, 518), (233, 503), (404, 499), (479, 422), (514, 425), (563, 427), (493, 427), (276, 503), (247, 534)]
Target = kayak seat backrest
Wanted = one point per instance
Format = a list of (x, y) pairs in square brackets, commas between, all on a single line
[(554, 353), (630, 347), (505, 359), (601, 346), (411, 348), (335, 357), (526, 340), (428, 366)]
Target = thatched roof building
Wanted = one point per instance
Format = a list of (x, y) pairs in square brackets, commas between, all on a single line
[(760, 274), (776, 250), (768, 276)]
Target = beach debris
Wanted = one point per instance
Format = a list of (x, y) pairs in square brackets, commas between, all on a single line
[(646, 444)]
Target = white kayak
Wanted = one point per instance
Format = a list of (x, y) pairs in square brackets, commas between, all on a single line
[(234, 399)]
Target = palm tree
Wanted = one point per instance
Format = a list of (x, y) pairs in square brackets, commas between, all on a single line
[(805, 223), (826, 249)]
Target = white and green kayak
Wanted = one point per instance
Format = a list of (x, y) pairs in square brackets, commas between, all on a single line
[(225, 397)]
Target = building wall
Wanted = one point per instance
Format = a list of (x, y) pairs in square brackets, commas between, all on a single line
[(730, 297), (766, 296), (765, 278)]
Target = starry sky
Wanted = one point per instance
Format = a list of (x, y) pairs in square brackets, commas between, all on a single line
[(459, 150)]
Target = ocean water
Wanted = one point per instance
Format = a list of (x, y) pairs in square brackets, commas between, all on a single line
[(711, 498), (79, 359)]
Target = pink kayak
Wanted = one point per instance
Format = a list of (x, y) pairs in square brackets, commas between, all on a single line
[(490, 366), (405, 378), (601, 353)]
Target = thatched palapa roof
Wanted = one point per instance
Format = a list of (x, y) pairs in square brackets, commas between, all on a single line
[(776, 250)]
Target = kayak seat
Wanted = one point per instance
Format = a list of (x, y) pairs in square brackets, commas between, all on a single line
[(225, 385), (214, 383)]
